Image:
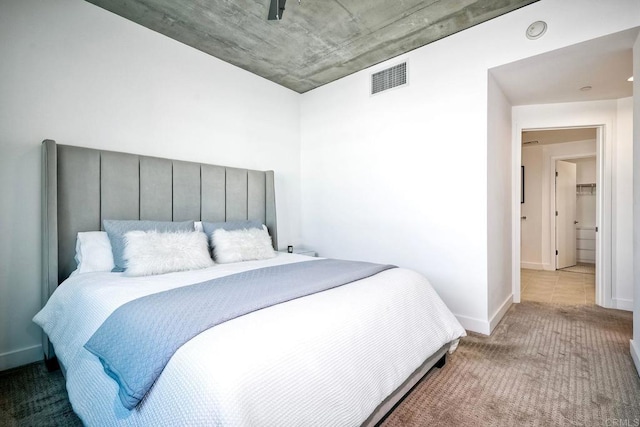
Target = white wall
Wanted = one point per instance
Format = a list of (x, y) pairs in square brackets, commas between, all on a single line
[(392, 177), (635, 342), (78, 74), (623, 200), (610, 114), (537, 238), (499, 279), (585, 169)]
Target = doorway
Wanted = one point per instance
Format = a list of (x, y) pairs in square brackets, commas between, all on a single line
[(577, 255), (559, 214)]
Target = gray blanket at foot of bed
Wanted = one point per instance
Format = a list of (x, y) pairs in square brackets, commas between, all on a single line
[(136, 342)]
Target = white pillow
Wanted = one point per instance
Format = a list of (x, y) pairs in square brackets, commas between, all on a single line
[(93, 252), (150, 252), (241, 245)]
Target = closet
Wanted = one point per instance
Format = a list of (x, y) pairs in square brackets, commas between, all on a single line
[(586, 192)]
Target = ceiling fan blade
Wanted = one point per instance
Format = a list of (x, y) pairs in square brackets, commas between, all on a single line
[(276, 9)]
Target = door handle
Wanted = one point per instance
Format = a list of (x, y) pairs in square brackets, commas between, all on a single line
[(575, 222)]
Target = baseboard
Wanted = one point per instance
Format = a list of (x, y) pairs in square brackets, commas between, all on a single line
[(531, 265), (622, 304), (635, 354), (24, 356), (474, 325), (500, 312)]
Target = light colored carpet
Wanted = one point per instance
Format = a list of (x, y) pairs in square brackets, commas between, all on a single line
[(544, 365)]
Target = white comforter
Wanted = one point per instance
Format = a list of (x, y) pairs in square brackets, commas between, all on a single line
[(325, 359)]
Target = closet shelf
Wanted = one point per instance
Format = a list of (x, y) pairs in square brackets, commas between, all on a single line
[(585, 189)]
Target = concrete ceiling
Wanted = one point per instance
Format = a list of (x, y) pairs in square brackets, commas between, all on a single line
[(317, 41), (604, 63)]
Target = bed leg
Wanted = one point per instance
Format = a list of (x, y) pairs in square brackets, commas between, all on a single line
[(52, 364), (440, 363)]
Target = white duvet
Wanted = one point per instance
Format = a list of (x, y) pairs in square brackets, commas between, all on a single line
[(325, 359)]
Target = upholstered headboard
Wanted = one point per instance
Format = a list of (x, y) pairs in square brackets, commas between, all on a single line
[(83, 186)]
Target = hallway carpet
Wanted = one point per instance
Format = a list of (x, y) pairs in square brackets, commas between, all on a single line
[(544, 365)]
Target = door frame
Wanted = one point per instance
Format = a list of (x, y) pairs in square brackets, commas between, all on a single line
[(604, 178), (553, 207)]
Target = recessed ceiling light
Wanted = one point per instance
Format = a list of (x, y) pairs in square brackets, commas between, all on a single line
[(536, 30), (586, 88), (630, 79)]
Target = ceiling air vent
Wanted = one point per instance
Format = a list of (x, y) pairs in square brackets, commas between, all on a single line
[(389, 78)]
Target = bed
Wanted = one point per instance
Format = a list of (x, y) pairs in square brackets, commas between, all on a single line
[(344, 356)]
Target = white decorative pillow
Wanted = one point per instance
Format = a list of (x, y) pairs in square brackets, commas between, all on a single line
[(150, 252), (241, 245), (93, 252)]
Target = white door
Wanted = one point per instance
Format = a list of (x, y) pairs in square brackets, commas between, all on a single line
[(565, 214)]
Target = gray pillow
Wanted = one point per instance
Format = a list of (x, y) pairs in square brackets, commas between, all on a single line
[(117, 229)]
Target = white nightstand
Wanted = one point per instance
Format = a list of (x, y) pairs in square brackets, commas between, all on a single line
[(302, 251)]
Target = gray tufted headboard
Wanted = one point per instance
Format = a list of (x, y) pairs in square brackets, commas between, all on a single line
[(83, 186)]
